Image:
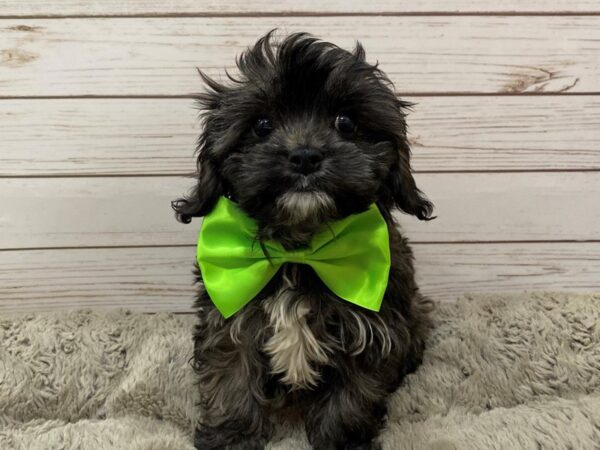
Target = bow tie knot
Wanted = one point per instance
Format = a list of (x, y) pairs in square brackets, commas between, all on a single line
[(295, 256)]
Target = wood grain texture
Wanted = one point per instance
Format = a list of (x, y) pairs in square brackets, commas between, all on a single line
[(159, 279), (116, 211), (114, 7), (446, 271), (157, 136), (487, 54), (145, 279), (100, 136)]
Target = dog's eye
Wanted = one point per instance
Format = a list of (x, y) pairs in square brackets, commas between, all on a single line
[(263, 127), (344, 125)]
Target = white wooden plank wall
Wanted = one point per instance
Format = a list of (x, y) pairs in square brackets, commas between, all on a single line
[(422, 54), (97, 130)]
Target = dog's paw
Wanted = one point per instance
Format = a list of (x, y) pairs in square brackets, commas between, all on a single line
[(246, 445), (213, 440), (363, 446), (373, 445)]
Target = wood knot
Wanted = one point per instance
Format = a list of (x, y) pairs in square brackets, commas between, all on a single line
[(16, 57)]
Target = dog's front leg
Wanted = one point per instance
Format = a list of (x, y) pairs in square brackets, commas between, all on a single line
[(347, 416), (231, 382), (233, 417)]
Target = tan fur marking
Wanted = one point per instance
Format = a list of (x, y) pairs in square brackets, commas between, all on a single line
[(293, 348), (299, 206)]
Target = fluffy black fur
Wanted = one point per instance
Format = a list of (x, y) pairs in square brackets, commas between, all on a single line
[(353, 358)]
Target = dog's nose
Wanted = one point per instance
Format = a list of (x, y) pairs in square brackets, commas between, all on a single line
[(305, 159)]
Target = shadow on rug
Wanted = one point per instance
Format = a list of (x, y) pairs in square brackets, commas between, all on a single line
[(500, 372)]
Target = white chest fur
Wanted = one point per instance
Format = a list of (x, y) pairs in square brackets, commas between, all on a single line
[(294, 351)]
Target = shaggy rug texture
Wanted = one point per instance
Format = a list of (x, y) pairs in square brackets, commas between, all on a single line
[(500, 372)]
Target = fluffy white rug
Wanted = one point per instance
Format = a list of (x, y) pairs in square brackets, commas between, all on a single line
[(500, 372)]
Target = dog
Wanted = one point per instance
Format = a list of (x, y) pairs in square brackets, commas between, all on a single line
[(306, 134)]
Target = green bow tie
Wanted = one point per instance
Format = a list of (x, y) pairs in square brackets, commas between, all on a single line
[(351, 256)]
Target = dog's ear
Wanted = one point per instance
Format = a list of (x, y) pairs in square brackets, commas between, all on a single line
[(204, 195), (400, 182), (209, 183)]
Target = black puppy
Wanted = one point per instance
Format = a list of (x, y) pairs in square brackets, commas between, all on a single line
[(306, 134)]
